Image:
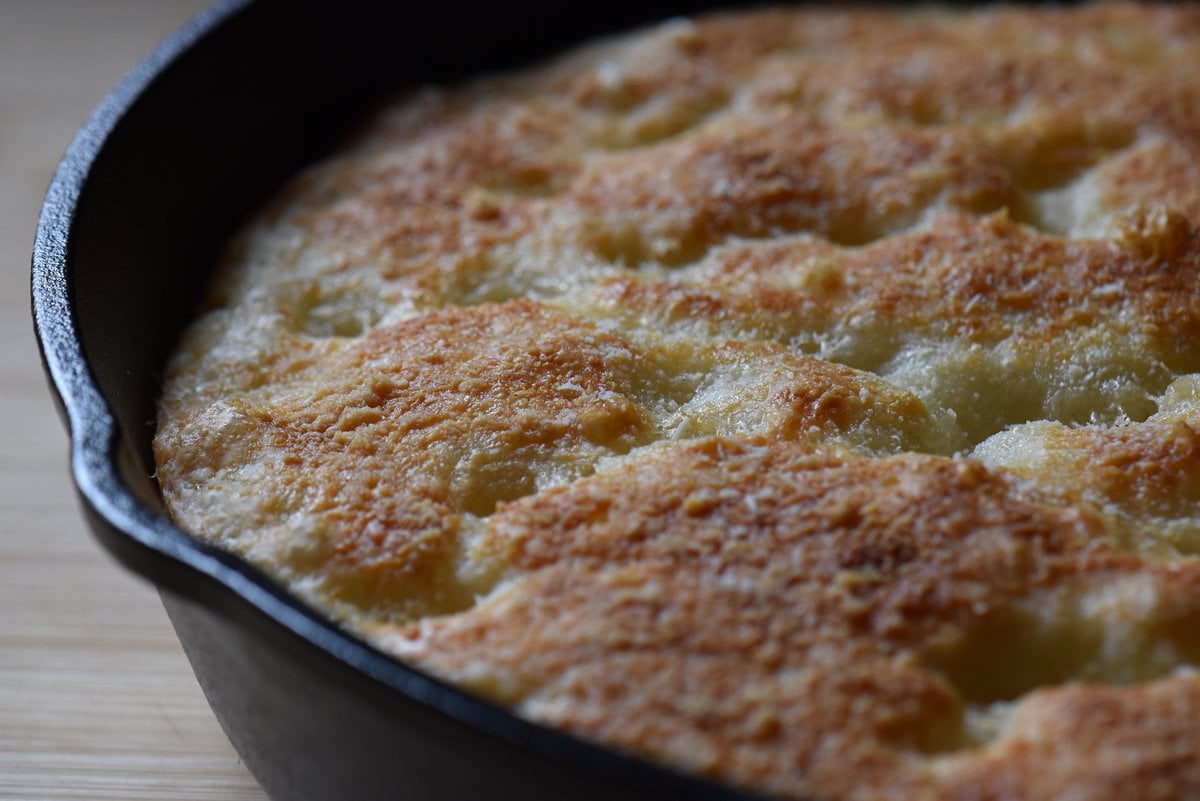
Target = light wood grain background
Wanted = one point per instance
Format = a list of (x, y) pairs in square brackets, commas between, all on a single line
[(96, 699)]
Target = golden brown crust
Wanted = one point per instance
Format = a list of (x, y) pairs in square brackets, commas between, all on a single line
[(377, 450), (801, 397), (723, 605), (1091, 743)]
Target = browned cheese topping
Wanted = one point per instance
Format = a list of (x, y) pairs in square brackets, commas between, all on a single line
[(806, 399)]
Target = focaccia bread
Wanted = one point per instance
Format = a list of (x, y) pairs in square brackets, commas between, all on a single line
[(806, 399)]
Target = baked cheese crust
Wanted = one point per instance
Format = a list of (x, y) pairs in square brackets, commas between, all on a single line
[(806, 399)]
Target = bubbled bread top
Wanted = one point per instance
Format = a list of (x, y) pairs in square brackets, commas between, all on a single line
[(806, 399)]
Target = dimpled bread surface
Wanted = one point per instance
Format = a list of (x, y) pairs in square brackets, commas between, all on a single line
[(808, 400)]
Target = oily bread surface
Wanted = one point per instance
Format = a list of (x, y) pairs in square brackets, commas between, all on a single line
[(803, 398)]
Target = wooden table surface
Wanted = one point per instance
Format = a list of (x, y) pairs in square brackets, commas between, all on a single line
[(96, 699)]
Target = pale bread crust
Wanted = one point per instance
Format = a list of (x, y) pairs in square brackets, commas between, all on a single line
[(802, 398)]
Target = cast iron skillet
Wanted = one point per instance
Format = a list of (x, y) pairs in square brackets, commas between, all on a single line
[(160, 174)]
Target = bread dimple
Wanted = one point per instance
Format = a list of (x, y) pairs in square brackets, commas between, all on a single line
[(804, 398), (1140, 472), (1089, 742)]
